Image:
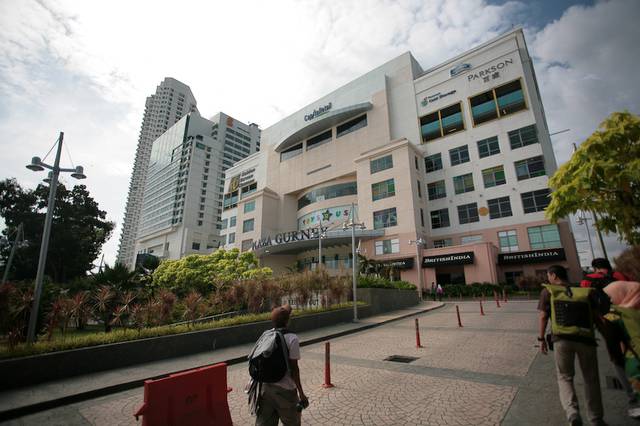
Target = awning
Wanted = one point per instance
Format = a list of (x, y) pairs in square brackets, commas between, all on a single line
[(333, 238)]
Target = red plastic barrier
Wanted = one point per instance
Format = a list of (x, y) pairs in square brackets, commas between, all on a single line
[(194, 397)]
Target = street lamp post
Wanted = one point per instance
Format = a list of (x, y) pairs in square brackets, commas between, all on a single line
[(36, 166), (420, 244), (353, 224), (321, 235), (580, 220)]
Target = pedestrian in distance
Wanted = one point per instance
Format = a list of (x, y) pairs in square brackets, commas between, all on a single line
[(572, 312), (440, 292), (602, 275), (433, 291), (275, 390)]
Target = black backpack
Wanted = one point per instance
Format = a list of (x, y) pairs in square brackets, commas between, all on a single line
[(273, 368)]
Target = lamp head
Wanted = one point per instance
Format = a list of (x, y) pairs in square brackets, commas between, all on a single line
[(48, 178), (79, 173), (35, 165)]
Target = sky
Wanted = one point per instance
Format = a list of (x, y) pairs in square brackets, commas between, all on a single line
[(86, 68)]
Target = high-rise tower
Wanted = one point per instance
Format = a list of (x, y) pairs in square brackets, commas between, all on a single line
[(167, 106)]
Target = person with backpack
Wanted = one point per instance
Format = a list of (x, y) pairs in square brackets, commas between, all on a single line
[(573, 313), (602, 275), (275, 390)]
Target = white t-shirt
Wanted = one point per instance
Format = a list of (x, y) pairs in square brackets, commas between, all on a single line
[(293, 344)]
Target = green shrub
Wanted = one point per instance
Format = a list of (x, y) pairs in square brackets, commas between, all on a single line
[(371, 281)]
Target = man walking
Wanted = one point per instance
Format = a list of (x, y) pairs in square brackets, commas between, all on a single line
[(572, 314), (273, 364)]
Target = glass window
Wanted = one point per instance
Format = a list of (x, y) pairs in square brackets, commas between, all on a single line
[(441, 123), (247, 225), (483, 107), (529, 168), (246, 190), (508, 241), (463, 183), (499, 207), (436, 190), (433, 162), (224, 223), (382, 163), (469, 239), (417, 163), (385, 218), (291, 152), (250, 206), (510, 98), (232, 221), (511, 277), (488, 147), (459, 155), (493, 177), (499, 102), (383, 189), (536, 201), (195, 246), (419, 186), (230, 200), (545, 236), (440, 218), (320, 139), (246, 245), (231, 238), (327, 193), (468, 213), (351, 126), (445, 242), (387, 246), (522, 137), (422, 217)]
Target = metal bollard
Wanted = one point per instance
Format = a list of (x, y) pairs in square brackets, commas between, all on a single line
[(418, 345), (458, 312), (327, 366), (481, 309)]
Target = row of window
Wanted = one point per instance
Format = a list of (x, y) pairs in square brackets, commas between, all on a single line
[(486, 147), (327, 193), (491, 177), (534, 201), (540, 237), (325, 137), (495, 103)]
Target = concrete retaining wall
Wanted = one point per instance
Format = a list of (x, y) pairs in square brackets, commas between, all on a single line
[(58, 365)]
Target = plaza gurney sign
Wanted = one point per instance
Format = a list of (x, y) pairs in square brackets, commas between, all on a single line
[(318, 112), (534, 256), (448, 259), (290, 236)]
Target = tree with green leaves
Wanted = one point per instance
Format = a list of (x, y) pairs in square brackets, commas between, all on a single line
[(203, 272), (603, 176), (79, 230)]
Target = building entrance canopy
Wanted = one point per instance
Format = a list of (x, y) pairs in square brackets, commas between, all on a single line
[(295, 242)]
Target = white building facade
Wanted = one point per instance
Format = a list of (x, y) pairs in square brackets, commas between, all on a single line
[(182, 205), (458, 156), (171, 101)]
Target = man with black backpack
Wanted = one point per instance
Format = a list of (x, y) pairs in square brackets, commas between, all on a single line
[(275, 391)]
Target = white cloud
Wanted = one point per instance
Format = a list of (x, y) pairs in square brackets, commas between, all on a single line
[(86, 67)]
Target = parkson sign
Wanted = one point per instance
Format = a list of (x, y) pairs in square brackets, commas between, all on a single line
[(290, 236), (488, 71), (318, 112)]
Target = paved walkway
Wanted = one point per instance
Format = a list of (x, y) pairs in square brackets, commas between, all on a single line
[(488, 372)]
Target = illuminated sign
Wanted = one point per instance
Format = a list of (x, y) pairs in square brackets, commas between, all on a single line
[(448, 259), (534, 256)]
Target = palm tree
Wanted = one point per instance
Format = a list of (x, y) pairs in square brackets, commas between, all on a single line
[(119, 277)]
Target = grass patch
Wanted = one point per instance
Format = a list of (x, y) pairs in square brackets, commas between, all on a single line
[(129, 334)]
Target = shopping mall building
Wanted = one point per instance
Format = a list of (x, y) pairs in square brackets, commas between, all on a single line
[(457, 156)]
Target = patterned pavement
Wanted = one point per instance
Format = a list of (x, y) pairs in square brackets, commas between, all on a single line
[(463, 376)]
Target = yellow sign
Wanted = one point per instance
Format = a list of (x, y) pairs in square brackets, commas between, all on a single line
[(483, 211), (234, 184)]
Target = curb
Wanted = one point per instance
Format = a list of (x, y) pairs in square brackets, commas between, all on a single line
[(121, 387)]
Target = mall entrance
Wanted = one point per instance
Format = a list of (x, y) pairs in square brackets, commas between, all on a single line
[(453, 274)]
